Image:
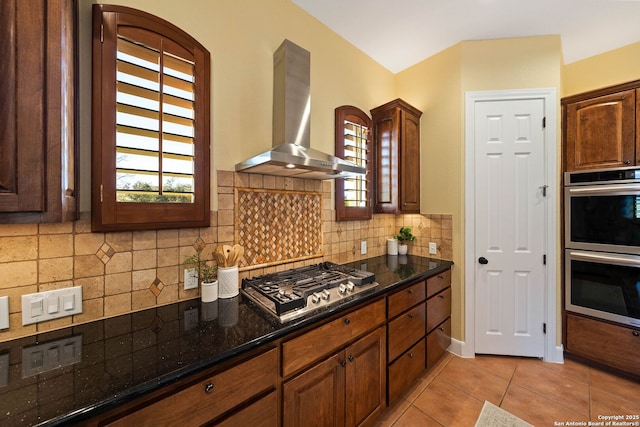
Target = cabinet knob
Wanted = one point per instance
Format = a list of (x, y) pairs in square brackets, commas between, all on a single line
[(441, 296), (410, 315), (410, 291), (351, 358), (347, 321), (440, 276), (636, 333), (411, 355), (627, 162), (343, 363), (441, 328), (209, 388)]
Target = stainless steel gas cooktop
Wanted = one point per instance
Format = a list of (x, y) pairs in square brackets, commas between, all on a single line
[(290, 294)]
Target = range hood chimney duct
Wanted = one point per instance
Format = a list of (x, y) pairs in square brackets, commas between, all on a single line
[(291, 154)]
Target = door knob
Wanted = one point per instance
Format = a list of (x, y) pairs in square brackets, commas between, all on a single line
[(483, 260)]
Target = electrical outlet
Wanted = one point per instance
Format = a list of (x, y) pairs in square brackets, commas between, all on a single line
[(433, 248), (363, 247), (190, 278)]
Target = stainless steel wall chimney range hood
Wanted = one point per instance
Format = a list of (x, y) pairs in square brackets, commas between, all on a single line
[(291, 154)]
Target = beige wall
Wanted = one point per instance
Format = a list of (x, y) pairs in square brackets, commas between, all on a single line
[(607, 69)]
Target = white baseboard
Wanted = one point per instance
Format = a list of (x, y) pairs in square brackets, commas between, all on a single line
[(457, 347)]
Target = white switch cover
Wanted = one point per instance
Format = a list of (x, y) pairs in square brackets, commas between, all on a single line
[(49, 305), (433, 248), (4, 312), (363, 247), (190, 278)]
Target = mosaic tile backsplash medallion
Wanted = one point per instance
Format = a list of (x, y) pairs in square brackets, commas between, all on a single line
[(274, 226)]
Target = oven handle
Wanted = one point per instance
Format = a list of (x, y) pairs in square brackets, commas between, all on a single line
[(618, 259), (604, 189)]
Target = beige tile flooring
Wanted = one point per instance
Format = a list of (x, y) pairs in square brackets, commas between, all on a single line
[(541, 393)]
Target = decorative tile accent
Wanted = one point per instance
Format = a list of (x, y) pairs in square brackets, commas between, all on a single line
[(276, 226), (199, 244), (156, 287), (105, 253)]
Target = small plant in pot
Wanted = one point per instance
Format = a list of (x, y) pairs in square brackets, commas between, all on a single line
[(403, 237)]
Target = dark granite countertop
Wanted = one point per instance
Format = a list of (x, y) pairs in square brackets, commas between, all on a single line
[(78, 372)]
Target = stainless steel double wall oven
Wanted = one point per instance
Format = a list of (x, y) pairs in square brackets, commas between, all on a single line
[(602, 244)]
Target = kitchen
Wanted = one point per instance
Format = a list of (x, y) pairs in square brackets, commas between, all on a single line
[(242, 93)]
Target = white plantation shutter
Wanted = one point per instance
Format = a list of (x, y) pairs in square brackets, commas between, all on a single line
[(154, 125)]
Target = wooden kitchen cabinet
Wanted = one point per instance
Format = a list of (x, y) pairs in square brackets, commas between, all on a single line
[(396, 142), (438, 317), (346, 389), (610, 344), (37, 111), (601, 128), (249, 385)]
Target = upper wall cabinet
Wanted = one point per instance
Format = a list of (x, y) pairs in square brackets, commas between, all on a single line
[(37, 111), (396, 136), (600, 128)]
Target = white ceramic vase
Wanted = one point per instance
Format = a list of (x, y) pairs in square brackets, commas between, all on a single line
[(403, 249), (228, 278), (209, 291)]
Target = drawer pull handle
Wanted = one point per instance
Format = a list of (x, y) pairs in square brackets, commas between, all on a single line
[(343, 363), (351, 358), (209, 388), (441, 296), (410, 291), (411, 355), (441, 328), (440, 276), (636, 333), (347, 321), (410, 315)]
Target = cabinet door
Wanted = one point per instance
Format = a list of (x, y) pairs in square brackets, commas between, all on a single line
[(600, 132), (37, 81), (438, 341), (409, 163), (366, 385), (315, 398), (385, 130)]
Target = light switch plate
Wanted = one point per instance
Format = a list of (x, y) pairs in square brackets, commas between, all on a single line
[(4, 312), (49, 305)]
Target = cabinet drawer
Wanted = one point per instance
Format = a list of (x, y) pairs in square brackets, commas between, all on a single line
[(437, 343), (405, 330), (262, 413), (405, 298), (613, 345), (438, 282), (438, 309), (326, 339), (404, 371), (212, 396)]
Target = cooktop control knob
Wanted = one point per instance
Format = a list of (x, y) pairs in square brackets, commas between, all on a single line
[(342, 288), (315, 297), (350, 286), (325, 294)]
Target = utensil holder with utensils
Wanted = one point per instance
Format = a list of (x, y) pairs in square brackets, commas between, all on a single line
[(228, 282)]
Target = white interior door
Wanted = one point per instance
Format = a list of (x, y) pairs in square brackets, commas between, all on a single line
[(510, 227)]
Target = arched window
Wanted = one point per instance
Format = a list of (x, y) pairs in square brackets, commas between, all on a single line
[(353, 143), (150, 123)]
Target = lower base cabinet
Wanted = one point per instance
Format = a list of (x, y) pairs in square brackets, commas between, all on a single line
[(346, 389), (404, 371), (616, 346), (438, 341)]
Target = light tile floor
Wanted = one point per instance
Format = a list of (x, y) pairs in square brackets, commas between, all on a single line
[(543, 394)]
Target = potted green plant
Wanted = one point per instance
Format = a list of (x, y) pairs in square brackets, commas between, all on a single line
[(205, 274), (404, 236)]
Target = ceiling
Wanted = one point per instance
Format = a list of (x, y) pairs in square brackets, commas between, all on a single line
[(401, 33)]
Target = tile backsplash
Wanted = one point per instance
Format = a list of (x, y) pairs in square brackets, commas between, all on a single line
[(124, 272)]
